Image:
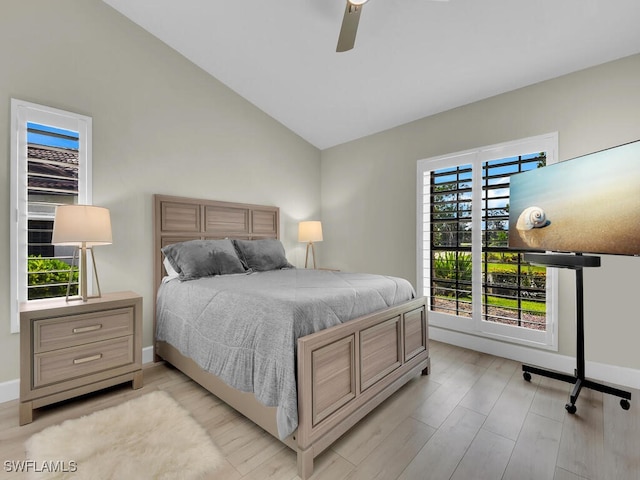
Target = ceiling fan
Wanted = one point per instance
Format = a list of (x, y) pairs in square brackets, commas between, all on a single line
[(350, 21)]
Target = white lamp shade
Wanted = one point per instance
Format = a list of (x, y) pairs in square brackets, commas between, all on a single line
[(81, 224), (310, 231)]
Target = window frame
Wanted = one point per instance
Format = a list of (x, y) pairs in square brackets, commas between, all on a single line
[(23, 112), (475, 325)]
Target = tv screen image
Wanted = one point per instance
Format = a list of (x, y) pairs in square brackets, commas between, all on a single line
[(589, 204)]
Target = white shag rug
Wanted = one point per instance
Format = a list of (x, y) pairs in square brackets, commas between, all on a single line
[(149, 437)]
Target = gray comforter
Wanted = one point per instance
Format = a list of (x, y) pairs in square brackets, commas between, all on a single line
[(244, 328)]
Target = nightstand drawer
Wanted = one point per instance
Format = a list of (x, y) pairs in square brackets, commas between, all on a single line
[(72, 330), (60, 365)]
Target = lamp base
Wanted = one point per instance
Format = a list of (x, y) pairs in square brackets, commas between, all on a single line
[(80, 298), (81, 254), (313, 254)]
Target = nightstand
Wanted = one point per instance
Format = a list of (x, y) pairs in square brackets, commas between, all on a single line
[(71, 348)]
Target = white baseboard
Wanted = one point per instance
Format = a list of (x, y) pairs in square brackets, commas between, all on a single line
[(147, 355), (10, 390), (611, 374)]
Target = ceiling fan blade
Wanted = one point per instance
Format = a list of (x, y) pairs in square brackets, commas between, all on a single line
[(347, 38)]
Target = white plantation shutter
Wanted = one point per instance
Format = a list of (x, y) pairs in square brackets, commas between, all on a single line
[(52, 180), (473, 282), (50, 165)]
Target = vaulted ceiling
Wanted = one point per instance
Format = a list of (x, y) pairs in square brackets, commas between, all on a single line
[(412, 58)]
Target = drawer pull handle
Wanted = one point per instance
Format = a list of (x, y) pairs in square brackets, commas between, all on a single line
[(90, 328), (78, 361)]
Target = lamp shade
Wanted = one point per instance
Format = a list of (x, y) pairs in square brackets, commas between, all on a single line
[(310, 231), (81, 224)]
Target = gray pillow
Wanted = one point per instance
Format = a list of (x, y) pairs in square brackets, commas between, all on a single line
[(203, 258), (262, 255)]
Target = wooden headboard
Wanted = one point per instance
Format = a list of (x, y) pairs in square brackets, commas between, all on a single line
[(177, 219)]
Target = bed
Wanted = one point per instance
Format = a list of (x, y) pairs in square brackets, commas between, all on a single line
[(340, 368)]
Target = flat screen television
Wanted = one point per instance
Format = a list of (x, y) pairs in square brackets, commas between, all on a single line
[(589, 204)]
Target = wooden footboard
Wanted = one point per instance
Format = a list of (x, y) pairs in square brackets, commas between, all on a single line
[(346, 371)]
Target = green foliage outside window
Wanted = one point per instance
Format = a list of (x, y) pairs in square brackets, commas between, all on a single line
[(48, 277), (452, 266)]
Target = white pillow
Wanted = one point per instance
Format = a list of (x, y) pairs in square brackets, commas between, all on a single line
[(171, 273)]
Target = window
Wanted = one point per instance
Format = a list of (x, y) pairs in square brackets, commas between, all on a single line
[(473, 282), (51, 165)]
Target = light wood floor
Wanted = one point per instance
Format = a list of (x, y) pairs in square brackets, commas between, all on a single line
[(473, 418)]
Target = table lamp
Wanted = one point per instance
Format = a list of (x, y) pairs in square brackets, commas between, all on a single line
[(310, 232), (82, 226)]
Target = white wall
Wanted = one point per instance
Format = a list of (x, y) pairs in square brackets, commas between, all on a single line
[(369, 193), (160, 125)]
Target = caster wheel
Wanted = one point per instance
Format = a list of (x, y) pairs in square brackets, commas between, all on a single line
[(570, 408), (526, 376), (624, 403)]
